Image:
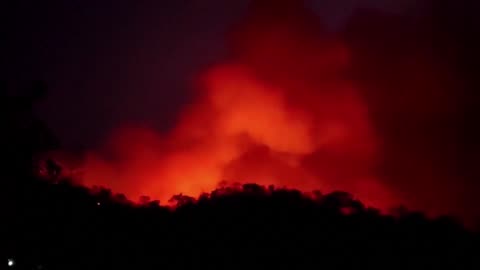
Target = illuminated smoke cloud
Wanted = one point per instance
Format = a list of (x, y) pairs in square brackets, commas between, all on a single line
[(280, 111)]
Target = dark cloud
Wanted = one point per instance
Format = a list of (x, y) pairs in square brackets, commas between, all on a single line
[(417, 71)]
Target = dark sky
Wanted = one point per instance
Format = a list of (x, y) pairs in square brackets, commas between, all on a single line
[(112, 62)]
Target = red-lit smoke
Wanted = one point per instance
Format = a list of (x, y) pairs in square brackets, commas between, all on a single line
[(280, 111), (246, 130)]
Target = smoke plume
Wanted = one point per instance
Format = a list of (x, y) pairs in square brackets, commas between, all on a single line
[(281, 110), (374, 110)]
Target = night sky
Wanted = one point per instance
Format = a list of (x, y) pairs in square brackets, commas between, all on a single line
[(114, 63)]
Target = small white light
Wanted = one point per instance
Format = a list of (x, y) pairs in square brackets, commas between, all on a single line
[(11, 262), (98, 203)]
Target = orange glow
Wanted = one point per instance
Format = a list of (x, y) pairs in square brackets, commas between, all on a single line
[(280, 112), (245, 130)]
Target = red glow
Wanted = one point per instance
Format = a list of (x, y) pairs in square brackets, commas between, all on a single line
[(281, 112), (245, 130)]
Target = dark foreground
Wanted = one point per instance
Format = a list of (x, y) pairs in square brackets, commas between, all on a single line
[(60, 226)]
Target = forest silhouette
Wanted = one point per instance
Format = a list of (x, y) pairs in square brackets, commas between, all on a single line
[(59, 225)]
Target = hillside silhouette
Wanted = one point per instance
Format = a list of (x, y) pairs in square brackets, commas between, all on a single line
[(62, 226), (59, 225)]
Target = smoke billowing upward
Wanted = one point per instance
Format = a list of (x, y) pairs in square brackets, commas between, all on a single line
[(280, 111), (371, 111)]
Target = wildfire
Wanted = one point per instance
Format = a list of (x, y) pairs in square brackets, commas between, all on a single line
[(281, 111)]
